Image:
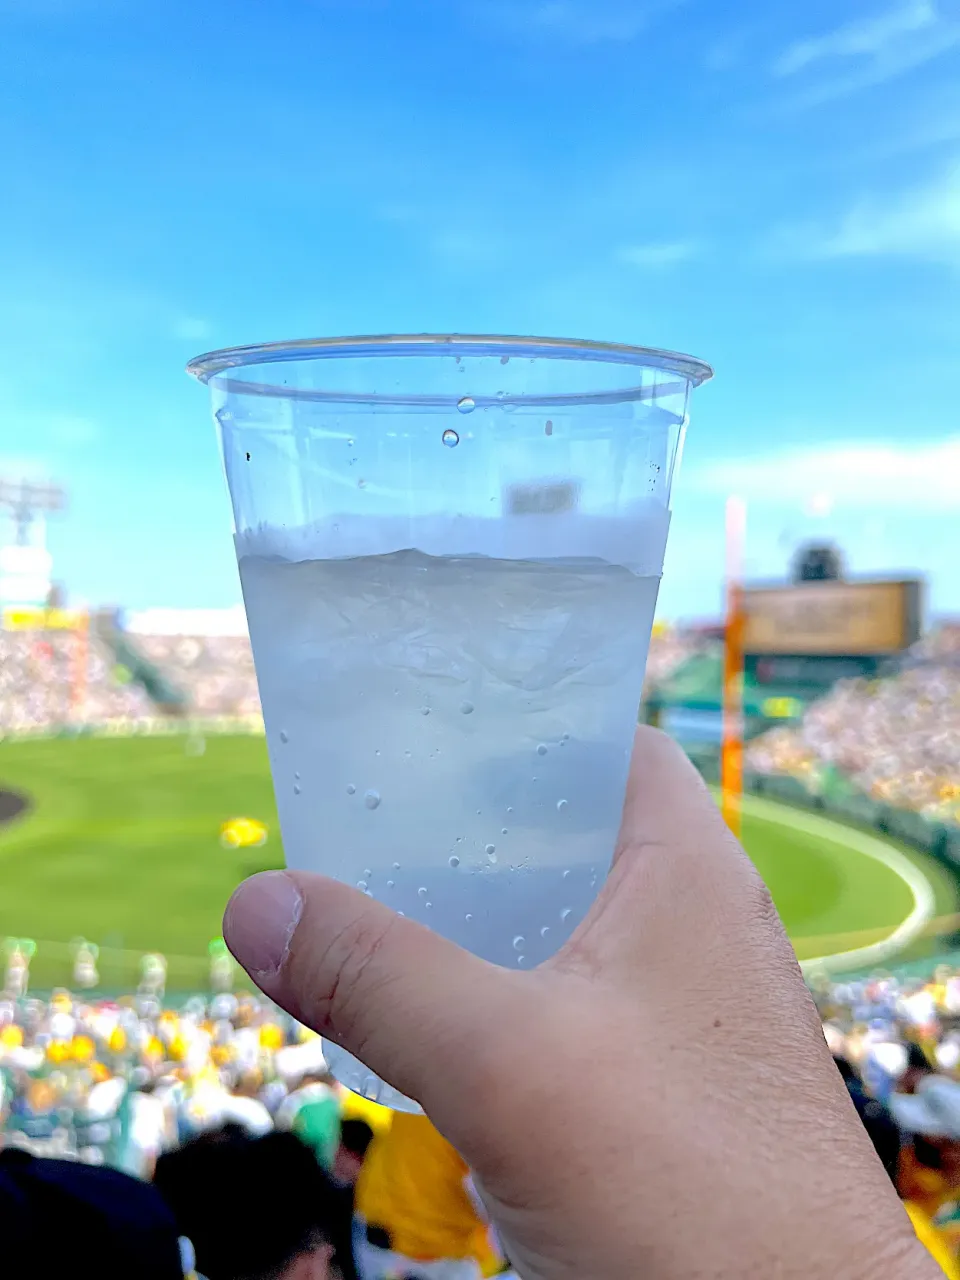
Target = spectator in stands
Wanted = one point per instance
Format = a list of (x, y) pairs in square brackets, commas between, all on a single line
[(355, 1139), (418, 1208), (58, 1217), (253, 1208)]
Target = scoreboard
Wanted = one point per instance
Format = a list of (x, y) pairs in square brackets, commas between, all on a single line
[(810, 634)]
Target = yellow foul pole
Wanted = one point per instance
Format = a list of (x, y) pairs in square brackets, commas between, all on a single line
[(731, 746)]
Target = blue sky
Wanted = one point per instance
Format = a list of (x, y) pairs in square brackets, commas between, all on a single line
[(778, 193)]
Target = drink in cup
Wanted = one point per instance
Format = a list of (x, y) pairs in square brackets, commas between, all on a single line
[(450, 550)]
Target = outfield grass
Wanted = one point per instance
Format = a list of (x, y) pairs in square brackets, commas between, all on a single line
[(122, 847)]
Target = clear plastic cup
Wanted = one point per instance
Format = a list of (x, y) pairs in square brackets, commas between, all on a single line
[(450, 549)]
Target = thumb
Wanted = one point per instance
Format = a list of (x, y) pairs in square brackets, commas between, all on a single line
[(410, 1005)]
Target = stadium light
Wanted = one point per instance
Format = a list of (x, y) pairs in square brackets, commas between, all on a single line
[(26, 501)]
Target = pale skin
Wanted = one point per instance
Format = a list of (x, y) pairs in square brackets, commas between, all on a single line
[(657, 1100)]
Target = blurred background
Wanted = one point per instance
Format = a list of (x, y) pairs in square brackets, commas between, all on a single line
[(777, 193)]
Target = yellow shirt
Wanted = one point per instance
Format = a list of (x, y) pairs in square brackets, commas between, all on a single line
[(933, 1239), (353, 1107), (412, 1185)]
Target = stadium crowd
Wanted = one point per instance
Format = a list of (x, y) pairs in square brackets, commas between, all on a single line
[(896, 738), (190, 1096), (214, 673), (40, 690), (55, 678), (161, 1092)]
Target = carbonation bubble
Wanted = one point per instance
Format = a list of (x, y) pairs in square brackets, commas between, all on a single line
[(466, 707), (466, 404), (548, 429), (450, 438), (504, 359), (544, 931), (521, 961), (561, 805), (361, 484), (503, 831), (396, 866), (564, 737), (351, 789), (362, 884), (371, 799), (390, 884), (422, 891), (296, 789), (542, 749), (566, 874), (428, 905), (490, 850), (454, 860), (564, 913), (424, 711), (284, 736), (368, 874), (296, 777), (468, 917), (519, 942)]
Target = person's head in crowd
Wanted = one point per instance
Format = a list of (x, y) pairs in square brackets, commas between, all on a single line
[(917, 1067), (107, 1223), (930, 1121), (355, 1138), (253, 1208)]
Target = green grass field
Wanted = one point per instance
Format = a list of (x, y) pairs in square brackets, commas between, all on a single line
[(122, 847)]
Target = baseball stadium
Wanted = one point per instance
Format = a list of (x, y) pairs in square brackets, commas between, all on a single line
[(135, 794)]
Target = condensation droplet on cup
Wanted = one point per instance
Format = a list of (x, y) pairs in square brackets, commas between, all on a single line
[(284, 736), (296, 777), (296, 789), (362, 884), (368, 874), (371, 799), (396, 866), (490, 850), (504, 359), (561, 805), (350, 442), (390, 884), (564, 737), (466, 404), (521, 961), (361, 484), (503, 831), (548, 429), (519, 942), (542, 749), (424, 711), (509, 808), (351, 789), (428, 905), (469, 918), (564, 913), (454, 860), (450, 438), (422, 891), (466, 708), (566, 874), (544, 931)]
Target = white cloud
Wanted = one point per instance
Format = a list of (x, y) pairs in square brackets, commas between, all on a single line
[(576, 21), (920, 223), (923, 474), (191, 329), (656, 254), (887, 44)]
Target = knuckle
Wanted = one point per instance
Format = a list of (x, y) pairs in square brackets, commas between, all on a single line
[(337, 984)]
